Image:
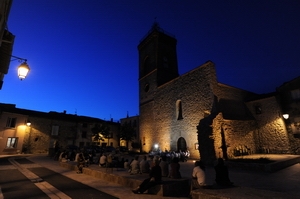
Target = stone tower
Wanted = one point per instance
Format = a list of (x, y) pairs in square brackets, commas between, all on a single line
[(157, 66)]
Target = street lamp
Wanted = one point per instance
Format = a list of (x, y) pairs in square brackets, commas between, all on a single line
[(23, 69), (285, 116), (28, 123)]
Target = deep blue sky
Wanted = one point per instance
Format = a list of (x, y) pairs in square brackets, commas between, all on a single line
[(84, 59)]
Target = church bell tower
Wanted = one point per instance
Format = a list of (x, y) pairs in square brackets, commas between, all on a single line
[(157, 61), (157, 66)]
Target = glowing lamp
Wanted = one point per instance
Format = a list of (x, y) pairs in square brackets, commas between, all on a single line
[(23, 70), (285, 116), (28, 123)]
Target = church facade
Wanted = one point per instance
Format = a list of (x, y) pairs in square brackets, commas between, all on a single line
[(197, 113)]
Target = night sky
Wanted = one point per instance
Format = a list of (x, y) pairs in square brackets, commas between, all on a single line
[(84, 59)]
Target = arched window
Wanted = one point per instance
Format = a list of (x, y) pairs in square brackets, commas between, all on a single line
[(179, 110)]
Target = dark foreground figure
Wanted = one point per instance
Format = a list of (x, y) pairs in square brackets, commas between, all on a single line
[(154, 179), (222, 177)]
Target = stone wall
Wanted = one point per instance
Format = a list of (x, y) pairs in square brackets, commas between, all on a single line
[(238, 136), (41, 139), (147, 129), (272, 135), (158, 118), (18, 132), (244, 127)]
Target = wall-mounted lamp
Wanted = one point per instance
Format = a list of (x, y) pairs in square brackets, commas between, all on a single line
[(28, 123), (285, 116), (23, 69)]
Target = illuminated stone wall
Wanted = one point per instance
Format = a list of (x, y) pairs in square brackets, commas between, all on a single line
[(272, 136), (159, 124), (159, 118), (196, 112), (41, 140), (239, 136), (289, 95)]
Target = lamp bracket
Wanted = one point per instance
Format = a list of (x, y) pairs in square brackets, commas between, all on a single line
[(18, 58)]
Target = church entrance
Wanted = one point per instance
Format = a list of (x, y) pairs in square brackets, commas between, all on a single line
[(181, 144)]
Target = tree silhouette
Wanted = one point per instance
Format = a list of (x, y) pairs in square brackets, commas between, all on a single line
[(100, 131), (127, 133)]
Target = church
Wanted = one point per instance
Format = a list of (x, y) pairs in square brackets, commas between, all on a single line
[(195, 112)]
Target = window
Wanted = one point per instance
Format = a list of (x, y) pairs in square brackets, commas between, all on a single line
[(83, 134), (257, 109), (54, 130), (11, 122), (11, 142), (179, 110), (146, 88), (295, 94)]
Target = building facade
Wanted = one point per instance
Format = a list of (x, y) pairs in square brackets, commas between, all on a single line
[(133, 122), (6, 39), (48, 131), (289, 98), (197, 113)]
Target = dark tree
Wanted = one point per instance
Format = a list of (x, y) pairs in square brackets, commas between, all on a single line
[(127, 133), (100, 131)]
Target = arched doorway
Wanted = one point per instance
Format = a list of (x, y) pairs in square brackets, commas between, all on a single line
[(181, 144)]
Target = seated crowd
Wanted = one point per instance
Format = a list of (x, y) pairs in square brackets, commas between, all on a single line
[(157, 165)]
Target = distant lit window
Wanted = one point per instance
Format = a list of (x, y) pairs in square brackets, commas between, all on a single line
[(179, 110), (11, 122), (83, 134), (11, 142), (295, 94), (54, 130)]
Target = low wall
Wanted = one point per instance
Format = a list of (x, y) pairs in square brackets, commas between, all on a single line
[(236, 193), (267, 167), (168, 187)]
